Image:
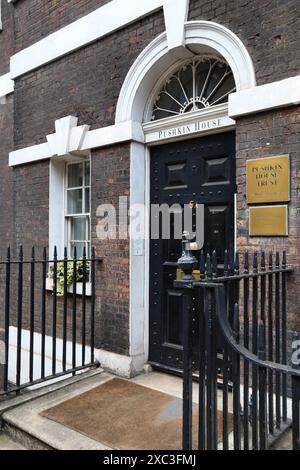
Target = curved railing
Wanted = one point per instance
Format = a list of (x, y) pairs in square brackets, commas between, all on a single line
[(242, 355)]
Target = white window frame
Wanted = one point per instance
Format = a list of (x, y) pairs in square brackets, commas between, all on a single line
[(57, 204), (68, 217)]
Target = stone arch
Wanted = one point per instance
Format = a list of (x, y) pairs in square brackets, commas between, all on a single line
[(156, 61)]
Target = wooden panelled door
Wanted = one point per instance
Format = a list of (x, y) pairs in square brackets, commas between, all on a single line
[(200, 170)]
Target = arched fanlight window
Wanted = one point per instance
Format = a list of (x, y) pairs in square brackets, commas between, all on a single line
[(201, 83)]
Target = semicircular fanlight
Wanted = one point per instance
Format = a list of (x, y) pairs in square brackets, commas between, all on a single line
[(199, 84)]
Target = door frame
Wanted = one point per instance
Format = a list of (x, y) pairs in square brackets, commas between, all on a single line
[(140, 259)]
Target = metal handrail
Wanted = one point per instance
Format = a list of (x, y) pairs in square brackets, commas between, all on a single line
[(229, 336)]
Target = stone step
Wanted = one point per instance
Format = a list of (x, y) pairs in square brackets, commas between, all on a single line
[(24, 439), (7, 443), (24, 424), (24, 427)]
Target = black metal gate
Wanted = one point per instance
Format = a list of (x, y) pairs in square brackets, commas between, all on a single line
[(251, 393)]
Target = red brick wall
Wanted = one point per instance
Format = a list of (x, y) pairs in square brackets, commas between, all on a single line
[(86, 83), (270, 30), (6, 36), (35, 19), (266, 134), (110, 180), (6, 173), (31, 206)]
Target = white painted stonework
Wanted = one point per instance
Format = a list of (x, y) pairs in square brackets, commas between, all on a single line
[(156, 63), (6, 85), (176, 14), (25, 357), (124, 366), (272, 95), (76, 140), (68, 137), (209, 120), (95, 25)]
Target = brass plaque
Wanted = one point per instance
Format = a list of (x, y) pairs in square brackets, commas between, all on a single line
[(268, 179), (268, 221)]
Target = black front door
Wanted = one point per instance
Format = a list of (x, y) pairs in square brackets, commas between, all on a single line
[(200, 170)]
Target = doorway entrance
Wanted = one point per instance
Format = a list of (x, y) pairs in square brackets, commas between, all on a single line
[(201, 170)]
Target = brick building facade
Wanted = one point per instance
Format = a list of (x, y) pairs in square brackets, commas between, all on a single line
[(60, 64)]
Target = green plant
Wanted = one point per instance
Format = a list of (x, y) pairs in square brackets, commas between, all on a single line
[(60, 276)]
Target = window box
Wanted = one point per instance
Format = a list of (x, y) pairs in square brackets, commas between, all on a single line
[(79, 288)]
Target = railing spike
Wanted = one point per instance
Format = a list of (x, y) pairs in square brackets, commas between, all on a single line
[(271, 261), (277, 260), (263, 261), (214, 264), (208, 266), (246, 262), (202, 265), (255, 262), (237, 263), (284, 260), (226, 263)]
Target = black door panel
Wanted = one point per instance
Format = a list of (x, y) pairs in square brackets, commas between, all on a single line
[(200, 170)]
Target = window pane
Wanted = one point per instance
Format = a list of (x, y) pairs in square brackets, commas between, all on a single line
[(87, 173), (74, 203), (87, 200), (79, 249), (78, 228), (75, 175)]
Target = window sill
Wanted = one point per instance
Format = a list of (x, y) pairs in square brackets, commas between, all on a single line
[(79, 288)]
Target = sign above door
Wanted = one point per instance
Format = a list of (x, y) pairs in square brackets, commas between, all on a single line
[(193, 124)]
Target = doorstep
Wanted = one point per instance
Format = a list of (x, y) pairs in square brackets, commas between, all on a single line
[(23, 422)]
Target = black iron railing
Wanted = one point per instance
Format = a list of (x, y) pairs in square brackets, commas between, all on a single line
[(43, 313), (250, 384)]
